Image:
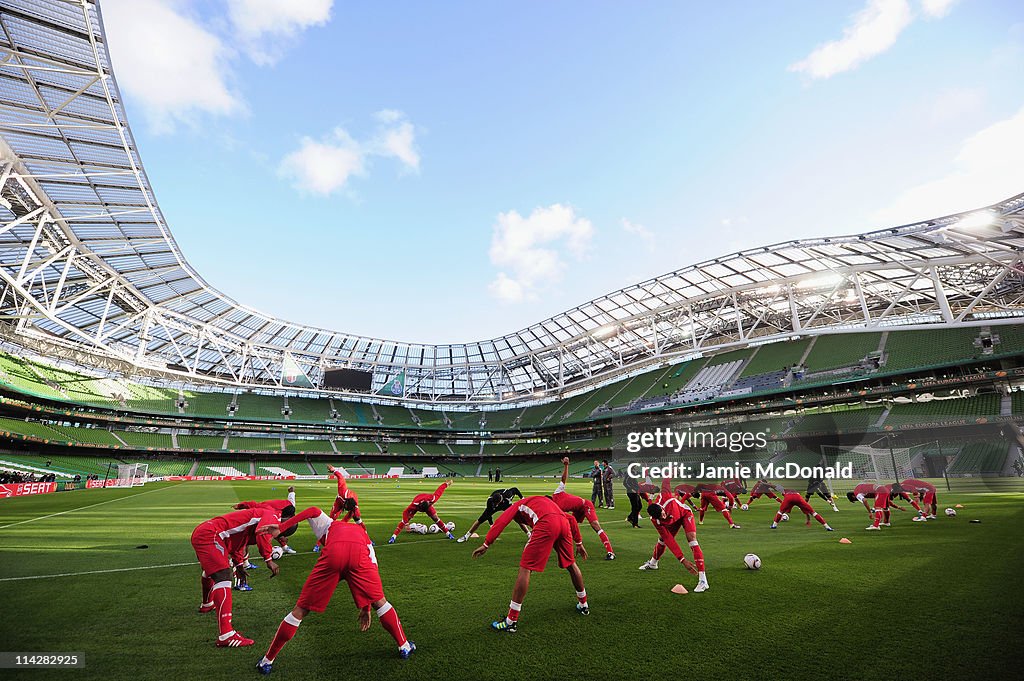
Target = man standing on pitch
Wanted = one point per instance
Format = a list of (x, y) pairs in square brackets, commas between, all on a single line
[(597, 492), (552, 530), (632, 486), (608, 479)]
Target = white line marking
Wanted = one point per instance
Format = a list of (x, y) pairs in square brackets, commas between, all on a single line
[(82, 508), (144, 567)]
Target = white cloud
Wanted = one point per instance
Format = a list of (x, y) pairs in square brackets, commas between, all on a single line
[(936, 9), (324, 166), (640, 232), (396, 138), (266, 28), (529, 251), (984, 171), (873, 31), (172, 82)]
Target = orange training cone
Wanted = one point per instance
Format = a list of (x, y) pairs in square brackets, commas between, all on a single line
[(844, 540), (679, 589)]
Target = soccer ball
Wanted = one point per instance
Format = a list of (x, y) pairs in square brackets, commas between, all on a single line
[(951, 512), (752, 561), (450, 526), (276, 553), (785, 517), (433, 529), (744, 507)]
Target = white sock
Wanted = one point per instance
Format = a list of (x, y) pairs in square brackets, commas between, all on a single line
[(702, 577)]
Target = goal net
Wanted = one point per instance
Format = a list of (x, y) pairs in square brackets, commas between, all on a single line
[(870, 464), (132, 474)]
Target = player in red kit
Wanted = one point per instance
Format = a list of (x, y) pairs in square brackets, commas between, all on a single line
[(581, 509), (215, 541), (347, 555), (763, 488), (735, 487), (669, 514), (343, 493), (424, 503), (793, 498), (925, 491), (861, 493), (283, 508), (709, 496), (553, 530), (883, 495)]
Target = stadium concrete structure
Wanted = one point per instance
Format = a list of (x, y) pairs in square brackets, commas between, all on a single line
[(111, 339)]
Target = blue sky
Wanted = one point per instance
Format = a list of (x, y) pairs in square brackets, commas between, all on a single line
[(449, 172)]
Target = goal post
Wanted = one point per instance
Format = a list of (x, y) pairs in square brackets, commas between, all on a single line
[(870, 464), (132, 474)]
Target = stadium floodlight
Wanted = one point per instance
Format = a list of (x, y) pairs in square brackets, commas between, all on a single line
[(606, 331), (978, 220)]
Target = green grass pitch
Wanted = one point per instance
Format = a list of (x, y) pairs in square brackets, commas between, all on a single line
[(933, 600)]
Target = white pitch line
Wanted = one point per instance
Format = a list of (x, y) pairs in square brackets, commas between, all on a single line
[(82, 508), (150, 567)]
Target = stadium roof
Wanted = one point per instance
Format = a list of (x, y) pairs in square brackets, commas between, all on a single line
[(88, 262)]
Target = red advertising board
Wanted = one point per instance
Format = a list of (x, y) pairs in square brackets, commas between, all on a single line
[(180, 478), (22, 489)]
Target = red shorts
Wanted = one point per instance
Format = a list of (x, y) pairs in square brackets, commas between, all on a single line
[(929, 497), (354, 562), (796, 499), (210, 550), (713, 500), (881, 502), (550, 532)]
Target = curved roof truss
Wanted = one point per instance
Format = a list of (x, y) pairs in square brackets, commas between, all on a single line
[(87, 263)]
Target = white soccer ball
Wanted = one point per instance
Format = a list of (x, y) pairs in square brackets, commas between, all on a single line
[(785, 517), (951, 512), (433, 529), (276, 553), (752, 561), (450, 526), (744, 507)]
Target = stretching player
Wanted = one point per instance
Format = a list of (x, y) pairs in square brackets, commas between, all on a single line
[(499, 500), (215, 541), (735, 487), (344, 493), (669, 515), (709, 497), (861, 493), (818, 486), (883, 494), (581, 509), (793, 498), (424, 503), (763, 488), (283, 508), (347, 555), (553, 529), (925, 491)]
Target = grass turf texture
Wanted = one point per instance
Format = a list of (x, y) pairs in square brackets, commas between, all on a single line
[(939, 599)]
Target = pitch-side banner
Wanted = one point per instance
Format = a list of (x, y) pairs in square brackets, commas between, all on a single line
[(186, 478), (22, 489), (109, 482)]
